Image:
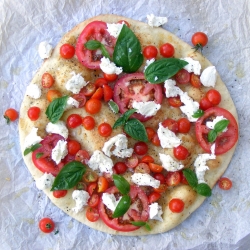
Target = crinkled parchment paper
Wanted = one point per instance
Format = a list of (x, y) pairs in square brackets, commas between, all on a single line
[(222, 222)]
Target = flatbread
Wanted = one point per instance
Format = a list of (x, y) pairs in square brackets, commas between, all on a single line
[(90, 140)]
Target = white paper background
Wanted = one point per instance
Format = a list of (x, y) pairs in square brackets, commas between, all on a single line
[(222, 222)]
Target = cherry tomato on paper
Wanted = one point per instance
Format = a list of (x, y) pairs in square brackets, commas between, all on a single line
[(93, 106), (167, 50), (110, 77), (88, 122), (74, 120), (120, 167), (47, 80), (176, 205), (213, 96), (73, 147), (67, 51), (199, 40), (225, 183), (53, 94), (181, 153), (105, 129), (59, 193), (150, 52), (10, 115), (92, 214), (46, 225), (140, 148), (184, 125)]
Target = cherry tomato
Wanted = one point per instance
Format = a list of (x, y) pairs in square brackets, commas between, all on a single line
[(124, 22), (181, 153), (170, 124), (46, 225), (102, 184), (104, 129), (93, 106), (82, 156), (98, 94), (59, 193), (150, 133), (195, 80), (10, 115), (155, 168), (81, 98), (53, 94), (88, 122), (182, 76), (120, 167), (147, 159), (47, 80), (150, 52), (90, 176), (89, 89), (173, 178), (183, 178), (92, 214), (142, 168), (107, 93), (100, 82), (73, 147), (167, 50), (160, 177), (174, 101), (176, 205), (67, 51), (153, 197), (92, 188), (74, 120), (184, 125), (34, 113), (93, 200), (205, 103), (132, 161), (213, 96), (225, 183), (140, 148), (155, 140), (81, 186), (161, 189), (199, 40), (110, 77)]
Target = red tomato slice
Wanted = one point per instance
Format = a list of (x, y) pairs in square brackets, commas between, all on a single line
[(134, 87), (96, 30), (81, 98), (224, 141), (138, 199)]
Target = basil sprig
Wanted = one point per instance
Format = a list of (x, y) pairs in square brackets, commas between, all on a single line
[(32, 148), (199, 113), (56, 108), (162, 69), (122, 207), (141, 224), (94, 45), (127, 53), (113, 106), (39, 155), (69, 176), (201, 188), (219, 127), (121, 183)]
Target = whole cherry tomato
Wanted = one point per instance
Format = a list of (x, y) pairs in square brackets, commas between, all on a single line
[(176, 205), (93, 106), (199, 40), (105, 129), (150, 52), (140, 148), (73, 147), (167, 50), (10, 115), (46, 225), (74, 120), (67, 51), (33, 113), (88, 122)]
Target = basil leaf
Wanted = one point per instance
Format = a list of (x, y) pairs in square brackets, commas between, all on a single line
[(127, 53), (162, 69), (147, 226), (191, 177), (123, 119), (32, 148), (56, 108), (7, 119), (113, 106), (39, 155), (94, 45), (203, 189), (198, 113), (105, 52), (212, 134), (136, 130), (69, 176), (121, 183), (122, 207), (221, 125), (140, 224)]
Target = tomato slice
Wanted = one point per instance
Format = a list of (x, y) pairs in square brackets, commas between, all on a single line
[(224, 141), (134, 87), (45, 162), (138, 200), (96, 30), (81, 98)]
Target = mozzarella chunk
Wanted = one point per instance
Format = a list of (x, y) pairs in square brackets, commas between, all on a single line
[(58, 128), (59, 151), (193, 65), (44, 50), (171, 90), (71, 103), (156, 21), (114, 29), (145, 180), (211, 124), (148, 62), (109, 67), (110, 201), (208, 76), (169, 163), (32, 138), (45, 181), (75, 83), (81, 198), (155, 211), (168, 139), (33, 91), (149, 108)]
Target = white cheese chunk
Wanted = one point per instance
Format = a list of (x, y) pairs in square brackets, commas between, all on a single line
[(192, 66), (211, 124), (110, 201), (169, 163), (171, 90), (44, 50), (149, 108), (156, 21), (145, 180), (32, 138), (71, 103), (155, 211), (45, 181), (100, 161), (33, 91), (81, 198), (208, 76), (75, 83), (59, 151), (168, 139), (58, 128), (109, 67), (114, 29), (120, 142), (148, 62)]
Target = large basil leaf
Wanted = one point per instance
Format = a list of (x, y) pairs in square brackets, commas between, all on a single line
[(163, 69), (203, 189), (122, 207), (123, 119), (69, 176), (56, 108), (121, 183), (127, 53), (191, 177)]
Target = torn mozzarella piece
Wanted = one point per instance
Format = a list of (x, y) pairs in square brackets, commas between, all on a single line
[(148, 62), (171, 90), (208, 76), (33, 91), (32, 138), (155, 211), (145, 180), (44, 50), (58, 128), (81, 198), (149, 108), (211, 124), (110, 201), (75, 83), (71, 103), (114, 29), (192, 66), (45, 181), (59, 151), (156, 21), (169, 163), (109, 67)]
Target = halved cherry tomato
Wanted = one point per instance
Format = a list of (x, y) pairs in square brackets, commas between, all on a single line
[(82, 156), (176, 205), (184, 125), (107, 93), (102, 184), (140, 148), (182, 76), (53, 94), (104, 129), (92, 187), (132, 161), (74, 120), (93, 106), (225, 183), (134, 87), (73, 147), (225, 140), (124, 22), (150, 132), (92, 214), (80, 186), (155, 140), (205, 103), (167, 50), (213, 96), (173, 178), (81, 98), (98, 94), (153, 197), (142, 168), (47, 80), (67, 51), (160, 177), (89, 89), (100, 82), (10, 115), (171, 124), (88, 122), (181, 153), (93, 200), (147, 159), (183, 178), (34, 113), (110, 77), (90, 176), (46, 225), (120, 167), (174, 101), (150, 52), (59, 193), (155, 168), (195, 80), (96, 30), (161, 189)]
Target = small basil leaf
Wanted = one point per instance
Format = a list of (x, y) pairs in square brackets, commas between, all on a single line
[(122, 207), (127, 53), (212, 134), (105, 52), (56, 108), (138, 223), (199, 113), (163, 69), (121, 183), (147, 226), (113, 106), (191, 177), (39, 155), (136, 130), (92, 45), (123, 119), (69, 176), (32, 148), (221, 125), (203, 189)]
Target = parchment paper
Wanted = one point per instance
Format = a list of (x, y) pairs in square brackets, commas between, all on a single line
[(222, 222)]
